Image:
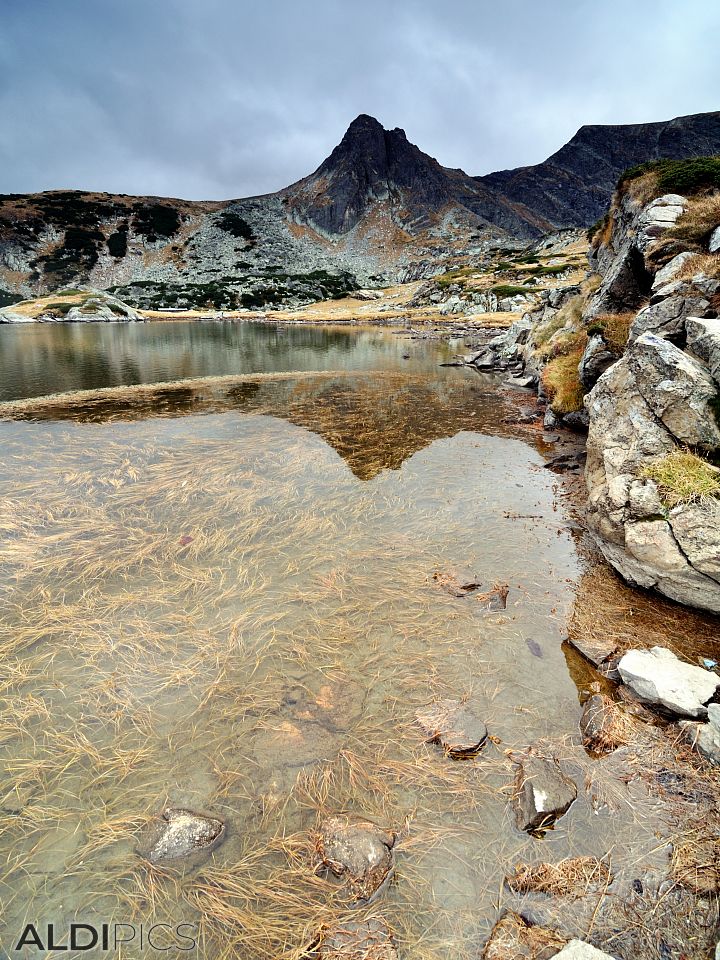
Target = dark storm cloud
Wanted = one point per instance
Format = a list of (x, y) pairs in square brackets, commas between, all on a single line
[(224, 98)]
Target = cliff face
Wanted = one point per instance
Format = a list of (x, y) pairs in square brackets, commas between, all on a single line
[(377, 209)]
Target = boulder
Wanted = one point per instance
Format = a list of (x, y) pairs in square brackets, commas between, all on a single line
[(358, 851), (678, 389), (667, 312), (542, 793), (696, 529), (672, 268), (580, 950), (657, 676), (705, 737), (703, 340), (454, 725), (183, 833), (595, 360), (369, 939)]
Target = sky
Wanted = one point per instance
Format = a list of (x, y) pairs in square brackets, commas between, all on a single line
[(216, 99)]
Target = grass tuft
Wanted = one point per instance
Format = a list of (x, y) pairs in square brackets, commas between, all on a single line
[(684, 477)]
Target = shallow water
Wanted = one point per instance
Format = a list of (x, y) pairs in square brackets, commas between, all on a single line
[(222, 597)]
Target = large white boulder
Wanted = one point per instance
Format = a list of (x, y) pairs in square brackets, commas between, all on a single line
[(658, 676)]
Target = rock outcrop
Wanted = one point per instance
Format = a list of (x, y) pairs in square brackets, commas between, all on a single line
[(662, 397)]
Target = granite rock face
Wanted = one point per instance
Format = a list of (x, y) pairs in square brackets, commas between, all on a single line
[(660, 397)]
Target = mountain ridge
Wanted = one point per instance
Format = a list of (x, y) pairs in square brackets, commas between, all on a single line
[(377, 209)]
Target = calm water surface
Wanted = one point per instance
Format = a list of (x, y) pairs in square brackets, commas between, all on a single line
[(38, 359)]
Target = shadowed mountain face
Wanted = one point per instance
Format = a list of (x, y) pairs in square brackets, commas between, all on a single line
[(573, 187), (372, 165), (377, 209)]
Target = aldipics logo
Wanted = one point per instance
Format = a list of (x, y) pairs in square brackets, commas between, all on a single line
[(160, 937)]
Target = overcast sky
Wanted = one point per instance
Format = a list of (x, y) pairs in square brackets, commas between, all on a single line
[(213, 99)]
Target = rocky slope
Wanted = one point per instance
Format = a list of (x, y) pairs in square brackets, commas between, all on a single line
[(377, 210), (633, 355)]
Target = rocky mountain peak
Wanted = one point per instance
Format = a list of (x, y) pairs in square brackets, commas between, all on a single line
[(370, 164)]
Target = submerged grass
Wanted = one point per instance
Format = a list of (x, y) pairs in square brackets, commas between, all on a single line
[(220, 615)]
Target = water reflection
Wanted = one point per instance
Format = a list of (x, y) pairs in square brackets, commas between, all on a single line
[(39, 359)]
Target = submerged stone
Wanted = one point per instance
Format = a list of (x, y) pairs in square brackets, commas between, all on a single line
[(457, 585), (359, 851), (604, 725), (369, 939), (542, 793), (454, 725), (183, 833), (513, 938)]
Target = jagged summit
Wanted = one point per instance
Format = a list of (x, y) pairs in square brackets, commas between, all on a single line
[(370, 164)]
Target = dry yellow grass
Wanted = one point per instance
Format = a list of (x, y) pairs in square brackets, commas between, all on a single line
[(562, 382), (615, 328)]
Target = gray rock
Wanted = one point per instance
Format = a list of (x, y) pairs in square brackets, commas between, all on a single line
[(580, 950), (678, 390), (671, 269), (577, 420), (369, 939), (696, 528), (643, 500), (594, 362), (359, 851), (657, 217), (658, 676), (542, 793), (714, 240), (667, 317), (551, 419), (705, 737), (521, 383), (703, 340), (454, 725), (184, 833)]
